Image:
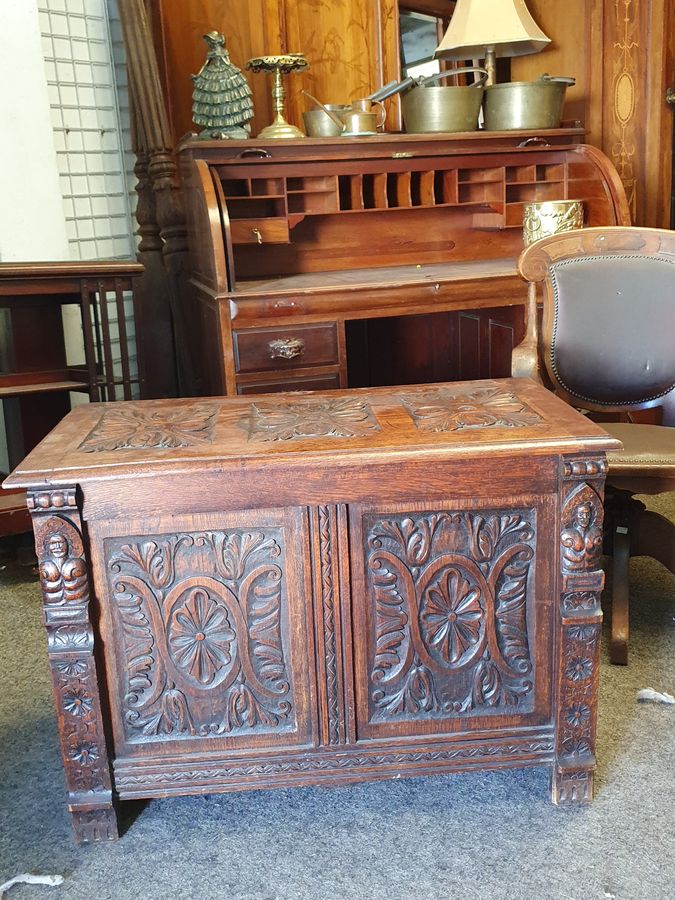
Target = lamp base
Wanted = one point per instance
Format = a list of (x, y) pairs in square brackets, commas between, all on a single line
[(491, 65)]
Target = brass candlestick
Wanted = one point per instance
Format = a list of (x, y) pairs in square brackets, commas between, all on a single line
[(279, 65)]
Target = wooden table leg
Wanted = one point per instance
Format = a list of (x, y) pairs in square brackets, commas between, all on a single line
[(64, 579)]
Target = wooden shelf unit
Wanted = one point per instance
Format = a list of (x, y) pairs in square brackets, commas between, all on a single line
[(35, 380), (281, 211)]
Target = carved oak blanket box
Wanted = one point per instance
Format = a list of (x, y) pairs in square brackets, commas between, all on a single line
[(319, 589)]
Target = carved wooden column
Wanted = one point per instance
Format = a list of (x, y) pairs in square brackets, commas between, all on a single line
[(579, 630), (153, 145), (64, 579), (153, 288)]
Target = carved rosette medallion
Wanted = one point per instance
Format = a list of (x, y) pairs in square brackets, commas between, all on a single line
[(200, 621), (64, 581), (287, 420), (133, 428), (580, 623), (449, 625), (447, 409)]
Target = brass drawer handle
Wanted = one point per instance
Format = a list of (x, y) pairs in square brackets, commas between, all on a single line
[(256, 234), (254, 151), (287, 348)]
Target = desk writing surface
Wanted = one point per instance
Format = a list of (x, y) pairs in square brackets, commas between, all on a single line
[(381, 277), (436, 422)]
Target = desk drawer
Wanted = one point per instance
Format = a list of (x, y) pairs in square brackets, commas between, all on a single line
[(259, 231), (310, 383), (269, 349)]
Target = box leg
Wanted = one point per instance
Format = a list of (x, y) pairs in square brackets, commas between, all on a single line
[(577, 658), (573, 787), (98, 824), (64, 579)]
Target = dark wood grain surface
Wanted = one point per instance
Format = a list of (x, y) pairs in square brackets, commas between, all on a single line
[(319, 588)]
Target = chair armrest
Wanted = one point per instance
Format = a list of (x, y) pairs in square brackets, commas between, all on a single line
[(525, 357), (525, 361)]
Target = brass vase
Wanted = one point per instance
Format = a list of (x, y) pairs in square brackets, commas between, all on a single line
[(549, 217)]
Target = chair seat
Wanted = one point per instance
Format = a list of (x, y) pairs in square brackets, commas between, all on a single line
[(648, 452)]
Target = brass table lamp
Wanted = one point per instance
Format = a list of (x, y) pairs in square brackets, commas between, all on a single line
[(278, 66)]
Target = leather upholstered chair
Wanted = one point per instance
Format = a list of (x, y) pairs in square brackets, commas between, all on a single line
[(607, 345)]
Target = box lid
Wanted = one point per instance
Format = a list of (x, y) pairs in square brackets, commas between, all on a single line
[(439, 421)]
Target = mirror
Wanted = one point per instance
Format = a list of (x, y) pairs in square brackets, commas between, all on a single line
[(422, 24)]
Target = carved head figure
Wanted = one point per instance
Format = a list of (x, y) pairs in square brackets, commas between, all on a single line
[(57, 546), (583, 515)]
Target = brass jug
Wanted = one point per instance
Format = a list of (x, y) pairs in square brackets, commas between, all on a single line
[(362, 118)]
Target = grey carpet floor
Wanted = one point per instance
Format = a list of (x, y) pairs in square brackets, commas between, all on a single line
[(479, 836)]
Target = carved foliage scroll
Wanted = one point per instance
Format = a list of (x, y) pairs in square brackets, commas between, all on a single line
[(200, 620), (64, 580), (288, 420), (448, 409), (132, 428), (580, 623), (449, 633)]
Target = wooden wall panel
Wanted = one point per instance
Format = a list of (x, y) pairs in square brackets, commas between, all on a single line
[(352, 47), (622, 53), (575, 29), (638, 125), (251, 29), (343, 42)]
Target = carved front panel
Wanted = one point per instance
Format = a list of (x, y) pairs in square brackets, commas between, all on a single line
[(449, 619), (208, 633)]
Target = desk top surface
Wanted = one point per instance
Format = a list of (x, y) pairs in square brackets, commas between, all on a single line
[(443, 421)]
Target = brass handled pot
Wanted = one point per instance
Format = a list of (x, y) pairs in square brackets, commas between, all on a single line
[(443, 108), (525, 104), (335, 119)]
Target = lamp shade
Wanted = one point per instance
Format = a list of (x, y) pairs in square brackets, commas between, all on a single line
[(504, 25)]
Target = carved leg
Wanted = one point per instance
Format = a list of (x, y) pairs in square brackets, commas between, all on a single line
[(64, 580), (573, 787), (579, 630)]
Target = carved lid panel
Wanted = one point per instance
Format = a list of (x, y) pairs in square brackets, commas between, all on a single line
[(445, 421)]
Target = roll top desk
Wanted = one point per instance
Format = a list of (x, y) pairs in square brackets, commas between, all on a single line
[(293, 242)]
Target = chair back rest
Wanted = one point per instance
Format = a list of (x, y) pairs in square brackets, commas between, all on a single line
[(608, 336)]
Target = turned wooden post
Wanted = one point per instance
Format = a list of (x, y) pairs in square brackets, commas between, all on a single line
[(166, 294)]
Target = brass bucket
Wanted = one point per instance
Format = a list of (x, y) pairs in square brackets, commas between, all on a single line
[(432, 108), (520, 105)]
